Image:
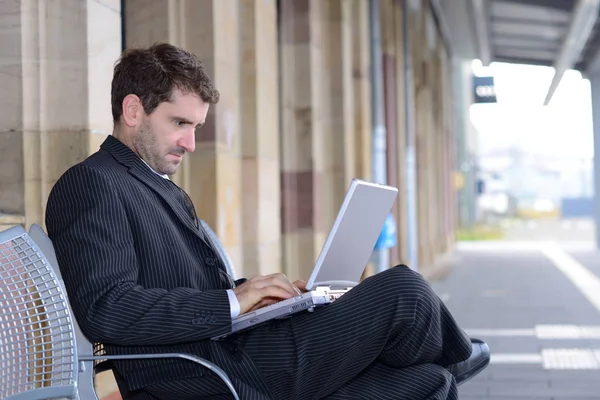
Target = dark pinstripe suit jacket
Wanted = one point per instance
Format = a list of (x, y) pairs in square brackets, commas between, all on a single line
[(141, 277)]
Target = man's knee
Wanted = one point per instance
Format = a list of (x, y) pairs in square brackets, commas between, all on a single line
[(406, 284), (401, 276)]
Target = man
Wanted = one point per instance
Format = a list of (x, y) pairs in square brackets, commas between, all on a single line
[(142, 276)]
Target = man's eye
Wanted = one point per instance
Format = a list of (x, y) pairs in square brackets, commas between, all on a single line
[(179, 122)]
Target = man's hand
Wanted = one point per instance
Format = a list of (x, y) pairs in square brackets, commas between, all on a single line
[(262, 291)]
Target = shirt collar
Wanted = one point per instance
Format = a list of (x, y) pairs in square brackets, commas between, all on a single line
[(152, 169)]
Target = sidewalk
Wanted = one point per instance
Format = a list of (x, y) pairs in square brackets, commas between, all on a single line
[(544, 333)]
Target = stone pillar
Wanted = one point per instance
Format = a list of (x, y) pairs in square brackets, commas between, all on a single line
[(300, 181), (212, 32), (318, 145), (436, 201), (261, 191), (361, 86), (147, 22), (12, 154), (595, 89), (442, 209), (390, 89), (361, 73), (211, 175), (446, 151), (346, 89), (426, 201), (402, 220), (433, 175), (334, 140), (58, 74), (418, 47)]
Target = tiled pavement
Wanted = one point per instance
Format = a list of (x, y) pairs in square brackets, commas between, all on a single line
[(543, 332)]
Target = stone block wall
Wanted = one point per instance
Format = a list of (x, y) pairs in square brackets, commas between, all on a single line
[(293, 126)]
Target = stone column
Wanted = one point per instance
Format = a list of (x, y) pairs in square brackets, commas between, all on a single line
[(595, 91), (445, 153), (391, 79), (299, 179), (437, 203), (211, 175), (449, 149), (443, 209), (318, 135), (12, 154), (261, 190), (147, 22), (424, 128), (57, 82), (334, 140), (362, 104), (361, 73), (212, 32), (403, 218)]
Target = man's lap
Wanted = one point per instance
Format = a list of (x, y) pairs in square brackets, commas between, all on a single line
[(343, 338), (332, 328), (335, 345)]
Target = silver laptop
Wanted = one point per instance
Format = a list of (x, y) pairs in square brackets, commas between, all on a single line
[(343, 258)]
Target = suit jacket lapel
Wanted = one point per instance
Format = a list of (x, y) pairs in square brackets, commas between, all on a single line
[(160, 185)]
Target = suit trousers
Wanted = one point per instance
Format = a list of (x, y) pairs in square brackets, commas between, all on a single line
[(390, 337)]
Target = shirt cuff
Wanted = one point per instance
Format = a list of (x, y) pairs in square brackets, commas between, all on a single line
[(233, 303)]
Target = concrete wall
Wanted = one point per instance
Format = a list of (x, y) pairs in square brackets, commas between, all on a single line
[(55, 74), (292, 129)]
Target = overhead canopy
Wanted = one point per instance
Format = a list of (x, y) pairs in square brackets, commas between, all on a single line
[(564, 34)]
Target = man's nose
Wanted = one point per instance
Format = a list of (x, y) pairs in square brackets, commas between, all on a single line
[(188, 141)]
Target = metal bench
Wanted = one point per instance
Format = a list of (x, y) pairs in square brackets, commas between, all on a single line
[(43, 354)]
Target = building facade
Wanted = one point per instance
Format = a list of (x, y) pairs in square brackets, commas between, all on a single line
[(294, 124)]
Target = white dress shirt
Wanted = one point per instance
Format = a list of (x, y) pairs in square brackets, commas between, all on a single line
[(234, 304)]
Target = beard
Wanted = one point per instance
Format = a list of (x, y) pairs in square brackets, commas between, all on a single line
[(146, 145)]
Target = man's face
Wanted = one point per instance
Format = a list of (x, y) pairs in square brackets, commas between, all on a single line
[(169, 132)]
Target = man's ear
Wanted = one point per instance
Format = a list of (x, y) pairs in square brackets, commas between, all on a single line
[(133, 110)]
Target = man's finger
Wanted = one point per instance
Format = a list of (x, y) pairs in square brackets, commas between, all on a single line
[(284, 283), (276, 292), (301, 284), (298, 291), (265, 303)]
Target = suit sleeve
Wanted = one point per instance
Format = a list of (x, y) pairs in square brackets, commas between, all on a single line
[(95, 251), (238, 282)]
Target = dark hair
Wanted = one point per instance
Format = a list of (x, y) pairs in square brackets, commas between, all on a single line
[(153, 73)]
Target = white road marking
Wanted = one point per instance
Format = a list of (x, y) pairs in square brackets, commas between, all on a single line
[(584, 224), (494, 245), (515, 358), (522, 245), (570, 359), (583, 279), (553, 359), (576, 358), (544, 332), (567, 332), (500, 332)]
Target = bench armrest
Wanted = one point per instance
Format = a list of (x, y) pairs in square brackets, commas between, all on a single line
[(198, 360)]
